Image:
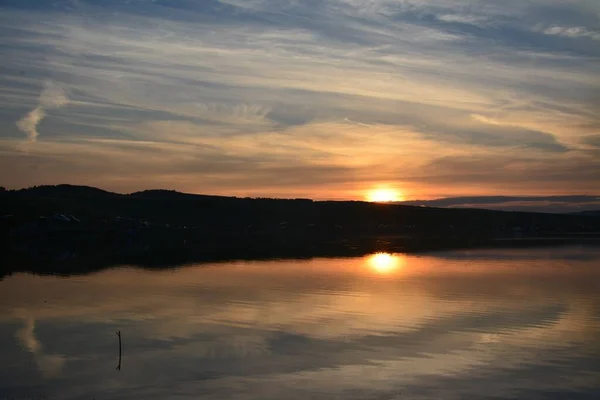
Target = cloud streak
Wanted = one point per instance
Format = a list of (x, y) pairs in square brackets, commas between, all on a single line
[(572, 32), (53, 97)]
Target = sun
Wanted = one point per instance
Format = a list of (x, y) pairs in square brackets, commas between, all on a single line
[(383, 195)]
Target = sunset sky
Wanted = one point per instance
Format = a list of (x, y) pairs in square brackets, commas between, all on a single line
[(326, 99)]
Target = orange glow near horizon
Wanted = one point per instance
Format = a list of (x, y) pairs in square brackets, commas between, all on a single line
[(383, 195), (385, 263)]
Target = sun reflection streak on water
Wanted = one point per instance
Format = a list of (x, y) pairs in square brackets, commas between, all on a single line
[(385, 263)]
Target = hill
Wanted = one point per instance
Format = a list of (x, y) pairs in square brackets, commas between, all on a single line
[(591, 213), (72, 191), (547, 204), (232, 214)]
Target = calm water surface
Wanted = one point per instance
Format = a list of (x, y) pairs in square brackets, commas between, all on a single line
[(497, 324)]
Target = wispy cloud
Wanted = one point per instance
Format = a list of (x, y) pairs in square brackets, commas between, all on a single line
[(52, 97), (572, 32)]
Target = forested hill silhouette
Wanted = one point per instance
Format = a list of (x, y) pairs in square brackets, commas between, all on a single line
[(591, 213), (64, 190), (222, 213), (549, 204)]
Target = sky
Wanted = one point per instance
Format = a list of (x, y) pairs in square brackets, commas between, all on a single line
[(326, 99)]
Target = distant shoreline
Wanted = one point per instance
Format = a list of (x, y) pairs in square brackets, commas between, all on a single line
[(72, 229), (69, 260)]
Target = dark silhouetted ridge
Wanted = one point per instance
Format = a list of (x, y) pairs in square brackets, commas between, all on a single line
[(549, 204), (66, 190), (166, 194), (591, 213)]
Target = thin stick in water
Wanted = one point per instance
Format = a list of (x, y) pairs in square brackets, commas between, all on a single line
[(120, 350)]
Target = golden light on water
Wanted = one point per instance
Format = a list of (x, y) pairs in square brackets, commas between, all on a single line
[(382, 195), (385, 263)]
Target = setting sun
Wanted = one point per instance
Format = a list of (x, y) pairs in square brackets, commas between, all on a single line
[(384, 195)]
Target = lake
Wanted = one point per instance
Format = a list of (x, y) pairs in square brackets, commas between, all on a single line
[(479, 324)]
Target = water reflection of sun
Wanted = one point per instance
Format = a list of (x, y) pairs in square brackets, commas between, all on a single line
[(385, 263)]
